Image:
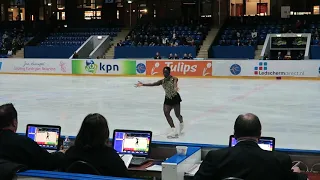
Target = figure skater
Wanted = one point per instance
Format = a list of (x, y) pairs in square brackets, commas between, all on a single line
[(47, 136), (137, 142), (172, 99)]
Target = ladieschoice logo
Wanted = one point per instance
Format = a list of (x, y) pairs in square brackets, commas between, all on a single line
[(91, 67), (263, 70), (235, 69)]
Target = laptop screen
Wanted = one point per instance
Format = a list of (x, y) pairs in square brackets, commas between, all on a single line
[(45, 136), (265, 143), (132, 142)]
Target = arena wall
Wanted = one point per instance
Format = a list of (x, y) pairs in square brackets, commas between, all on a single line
[(251, 69)]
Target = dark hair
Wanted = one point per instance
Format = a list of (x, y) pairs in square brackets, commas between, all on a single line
[(167, 68), (94, 132), (247, 125), (7, 114)]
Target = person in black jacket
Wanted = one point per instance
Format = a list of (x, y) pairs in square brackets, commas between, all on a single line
[(246, 160), (21, 149), (91, 146)]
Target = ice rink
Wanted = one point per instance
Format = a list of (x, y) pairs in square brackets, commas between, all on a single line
[(288, 110)]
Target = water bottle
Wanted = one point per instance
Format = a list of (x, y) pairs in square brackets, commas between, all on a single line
[(66, 143)]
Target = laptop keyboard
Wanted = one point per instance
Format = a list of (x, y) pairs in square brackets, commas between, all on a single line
[(138, 161)]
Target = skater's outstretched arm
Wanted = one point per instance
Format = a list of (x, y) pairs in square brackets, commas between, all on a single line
[(158, 83)]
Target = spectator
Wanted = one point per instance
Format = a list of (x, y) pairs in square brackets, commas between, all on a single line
[(298, 25), (190, 40), (279, 57), (170, 56), (91, 146), (288, 56), (185, 56), (238, 34), (190, 56), (164, 41), (238, 43), (254, 34), (5, 36), (157, 56), (176, 56), (21, 149), (120, 43), (75, 55), (300, 56), (246, 160)]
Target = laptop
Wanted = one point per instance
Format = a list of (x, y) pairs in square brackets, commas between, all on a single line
[(265, 143), (134, 142), (46, 136)]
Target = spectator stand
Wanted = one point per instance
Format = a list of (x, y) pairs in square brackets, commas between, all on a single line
[(242, 32), (163, 37), (11, 41), (180, 167), (63, 44), (149, 52), (277, 46)]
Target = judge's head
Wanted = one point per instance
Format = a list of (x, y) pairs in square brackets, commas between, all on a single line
[(247, 126)]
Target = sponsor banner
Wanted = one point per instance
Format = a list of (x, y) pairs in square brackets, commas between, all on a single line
[(290, 68), (44, 66), (180, 67), (100, 66)]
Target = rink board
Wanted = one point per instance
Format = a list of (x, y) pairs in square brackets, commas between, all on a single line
[(237, 69)]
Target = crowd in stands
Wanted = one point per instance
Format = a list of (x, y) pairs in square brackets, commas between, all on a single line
[(252, 31), (284, 55), (246, 160), (76, 36), (174, 56), (11, 41), (167, 34)]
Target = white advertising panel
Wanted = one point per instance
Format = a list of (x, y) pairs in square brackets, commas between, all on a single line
[(41, 66), (304, 68)]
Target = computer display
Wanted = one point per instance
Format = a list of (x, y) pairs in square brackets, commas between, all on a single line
[(265, 143), (45, 136), (136, 143)]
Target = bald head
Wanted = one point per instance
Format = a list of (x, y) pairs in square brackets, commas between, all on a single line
[(247, 125)]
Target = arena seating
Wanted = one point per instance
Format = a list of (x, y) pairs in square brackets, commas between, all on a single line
[(151, 36), (77, 36), (64, 44), (252, 31), (15, 40)]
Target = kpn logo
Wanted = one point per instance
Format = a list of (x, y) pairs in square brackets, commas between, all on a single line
[(91, 67)]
